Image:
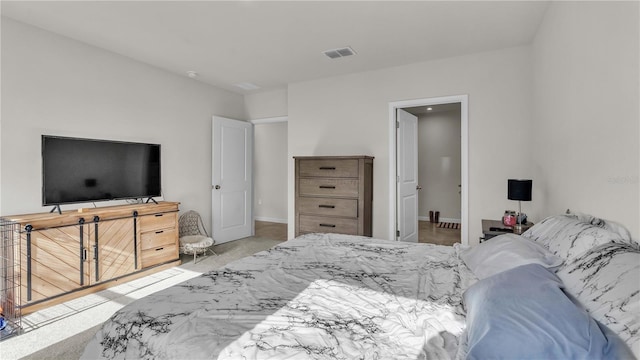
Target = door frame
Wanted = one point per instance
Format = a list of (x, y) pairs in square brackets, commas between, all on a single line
[(464, 157), (265, 121)]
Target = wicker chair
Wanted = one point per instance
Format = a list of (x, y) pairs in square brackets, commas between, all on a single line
[(194, 238)]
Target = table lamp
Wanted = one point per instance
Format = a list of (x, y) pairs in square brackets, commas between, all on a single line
[(519, 190)]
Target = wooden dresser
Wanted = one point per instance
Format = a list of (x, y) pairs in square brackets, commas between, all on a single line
[(64, 256), (334, 194)]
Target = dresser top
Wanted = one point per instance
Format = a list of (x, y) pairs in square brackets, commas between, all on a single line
[(334, 157)]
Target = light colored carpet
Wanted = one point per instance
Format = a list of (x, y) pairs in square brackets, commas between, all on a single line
[(73, 347)]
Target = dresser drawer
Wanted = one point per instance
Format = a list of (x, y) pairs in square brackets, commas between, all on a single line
[(154, 239), (332, 168), (328, 206), (328, 187), (327, 224), (158, 221), (159, 255)]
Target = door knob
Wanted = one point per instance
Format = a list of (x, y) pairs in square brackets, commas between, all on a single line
[(418, 187), (217, 187)]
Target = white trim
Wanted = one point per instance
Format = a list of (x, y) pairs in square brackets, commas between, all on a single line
[(271, 120), (262, 218), (464, 156), (451, 220)]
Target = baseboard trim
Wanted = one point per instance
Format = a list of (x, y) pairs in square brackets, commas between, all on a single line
[(426, 218), (269, 219)]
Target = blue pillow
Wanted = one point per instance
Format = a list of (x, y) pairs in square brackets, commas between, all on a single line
[(523, 313)]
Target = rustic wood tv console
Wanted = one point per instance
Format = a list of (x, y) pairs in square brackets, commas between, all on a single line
[(68, 255)]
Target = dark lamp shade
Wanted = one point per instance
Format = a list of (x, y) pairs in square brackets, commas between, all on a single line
[(519, 189)]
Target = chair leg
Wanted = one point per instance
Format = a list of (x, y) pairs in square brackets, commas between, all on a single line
[(195, 253)]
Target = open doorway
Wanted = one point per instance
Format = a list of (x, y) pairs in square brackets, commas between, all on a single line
[(270, 178), (439, 173), (402, 155)]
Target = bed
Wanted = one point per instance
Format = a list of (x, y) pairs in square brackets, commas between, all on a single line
[(331, 296), (317, 296)]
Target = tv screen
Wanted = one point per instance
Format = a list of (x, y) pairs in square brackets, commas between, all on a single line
[(87, 170)]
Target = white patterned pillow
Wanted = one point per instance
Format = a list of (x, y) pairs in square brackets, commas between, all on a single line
[(505, 252), (567, 236), (606, 280), (612, 226)]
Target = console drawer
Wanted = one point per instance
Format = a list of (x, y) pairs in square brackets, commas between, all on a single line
[(158, 221), (159, 255), (154, 239)]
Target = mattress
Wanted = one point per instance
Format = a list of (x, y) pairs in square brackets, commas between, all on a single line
[(319, 296)]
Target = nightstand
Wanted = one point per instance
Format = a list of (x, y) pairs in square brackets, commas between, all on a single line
[(491, 228)]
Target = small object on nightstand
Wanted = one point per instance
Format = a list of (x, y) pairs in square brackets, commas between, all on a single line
[(509, 218), (492, 228), (507, 230)]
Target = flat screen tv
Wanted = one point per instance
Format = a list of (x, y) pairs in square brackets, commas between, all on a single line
[(88, 170)]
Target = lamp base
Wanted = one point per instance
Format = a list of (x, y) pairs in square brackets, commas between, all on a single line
[(518, 229)]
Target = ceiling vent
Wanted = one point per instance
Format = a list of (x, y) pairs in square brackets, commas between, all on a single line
[(338, 53)]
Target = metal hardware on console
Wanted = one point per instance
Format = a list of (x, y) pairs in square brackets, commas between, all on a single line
[(10, 279)]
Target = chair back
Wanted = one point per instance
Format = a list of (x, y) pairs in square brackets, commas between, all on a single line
[(190, 223)]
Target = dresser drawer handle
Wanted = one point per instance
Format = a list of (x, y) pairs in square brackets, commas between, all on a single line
[(328, 225), (159, 232), (158, 215), (327, 167), (159, 249), (327, 187), (327, 206)]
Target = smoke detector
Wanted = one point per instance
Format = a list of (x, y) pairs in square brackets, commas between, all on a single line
[(338, 53)]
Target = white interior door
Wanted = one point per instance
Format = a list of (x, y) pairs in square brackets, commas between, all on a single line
[(407, 176), (232, 179)]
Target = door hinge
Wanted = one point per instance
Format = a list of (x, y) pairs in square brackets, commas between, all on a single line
[(398, 233), (398, 178), (397, 124)]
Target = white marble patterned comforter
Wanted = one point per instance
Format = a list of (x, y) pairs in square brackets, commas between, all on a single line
[(320, 296)]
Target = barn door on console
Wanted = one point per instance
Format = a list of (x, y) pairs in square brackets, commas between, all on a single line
[(111, 243), (55, 264)]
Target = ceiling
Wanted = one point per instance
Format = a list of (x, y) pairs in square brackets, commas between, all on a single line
[(271, 44), (432, 109)]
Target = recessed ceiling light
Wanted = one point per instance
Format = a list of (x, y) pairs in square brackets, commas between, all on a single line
[(429, 109), (192, 74), (247, 86)]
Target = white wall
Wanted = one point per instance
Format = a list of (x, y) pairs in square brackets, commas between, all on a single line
[(270, 172), (586, 90), (55, 85), (270, 158), (439, 164), (266, 104), (348, 115)]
